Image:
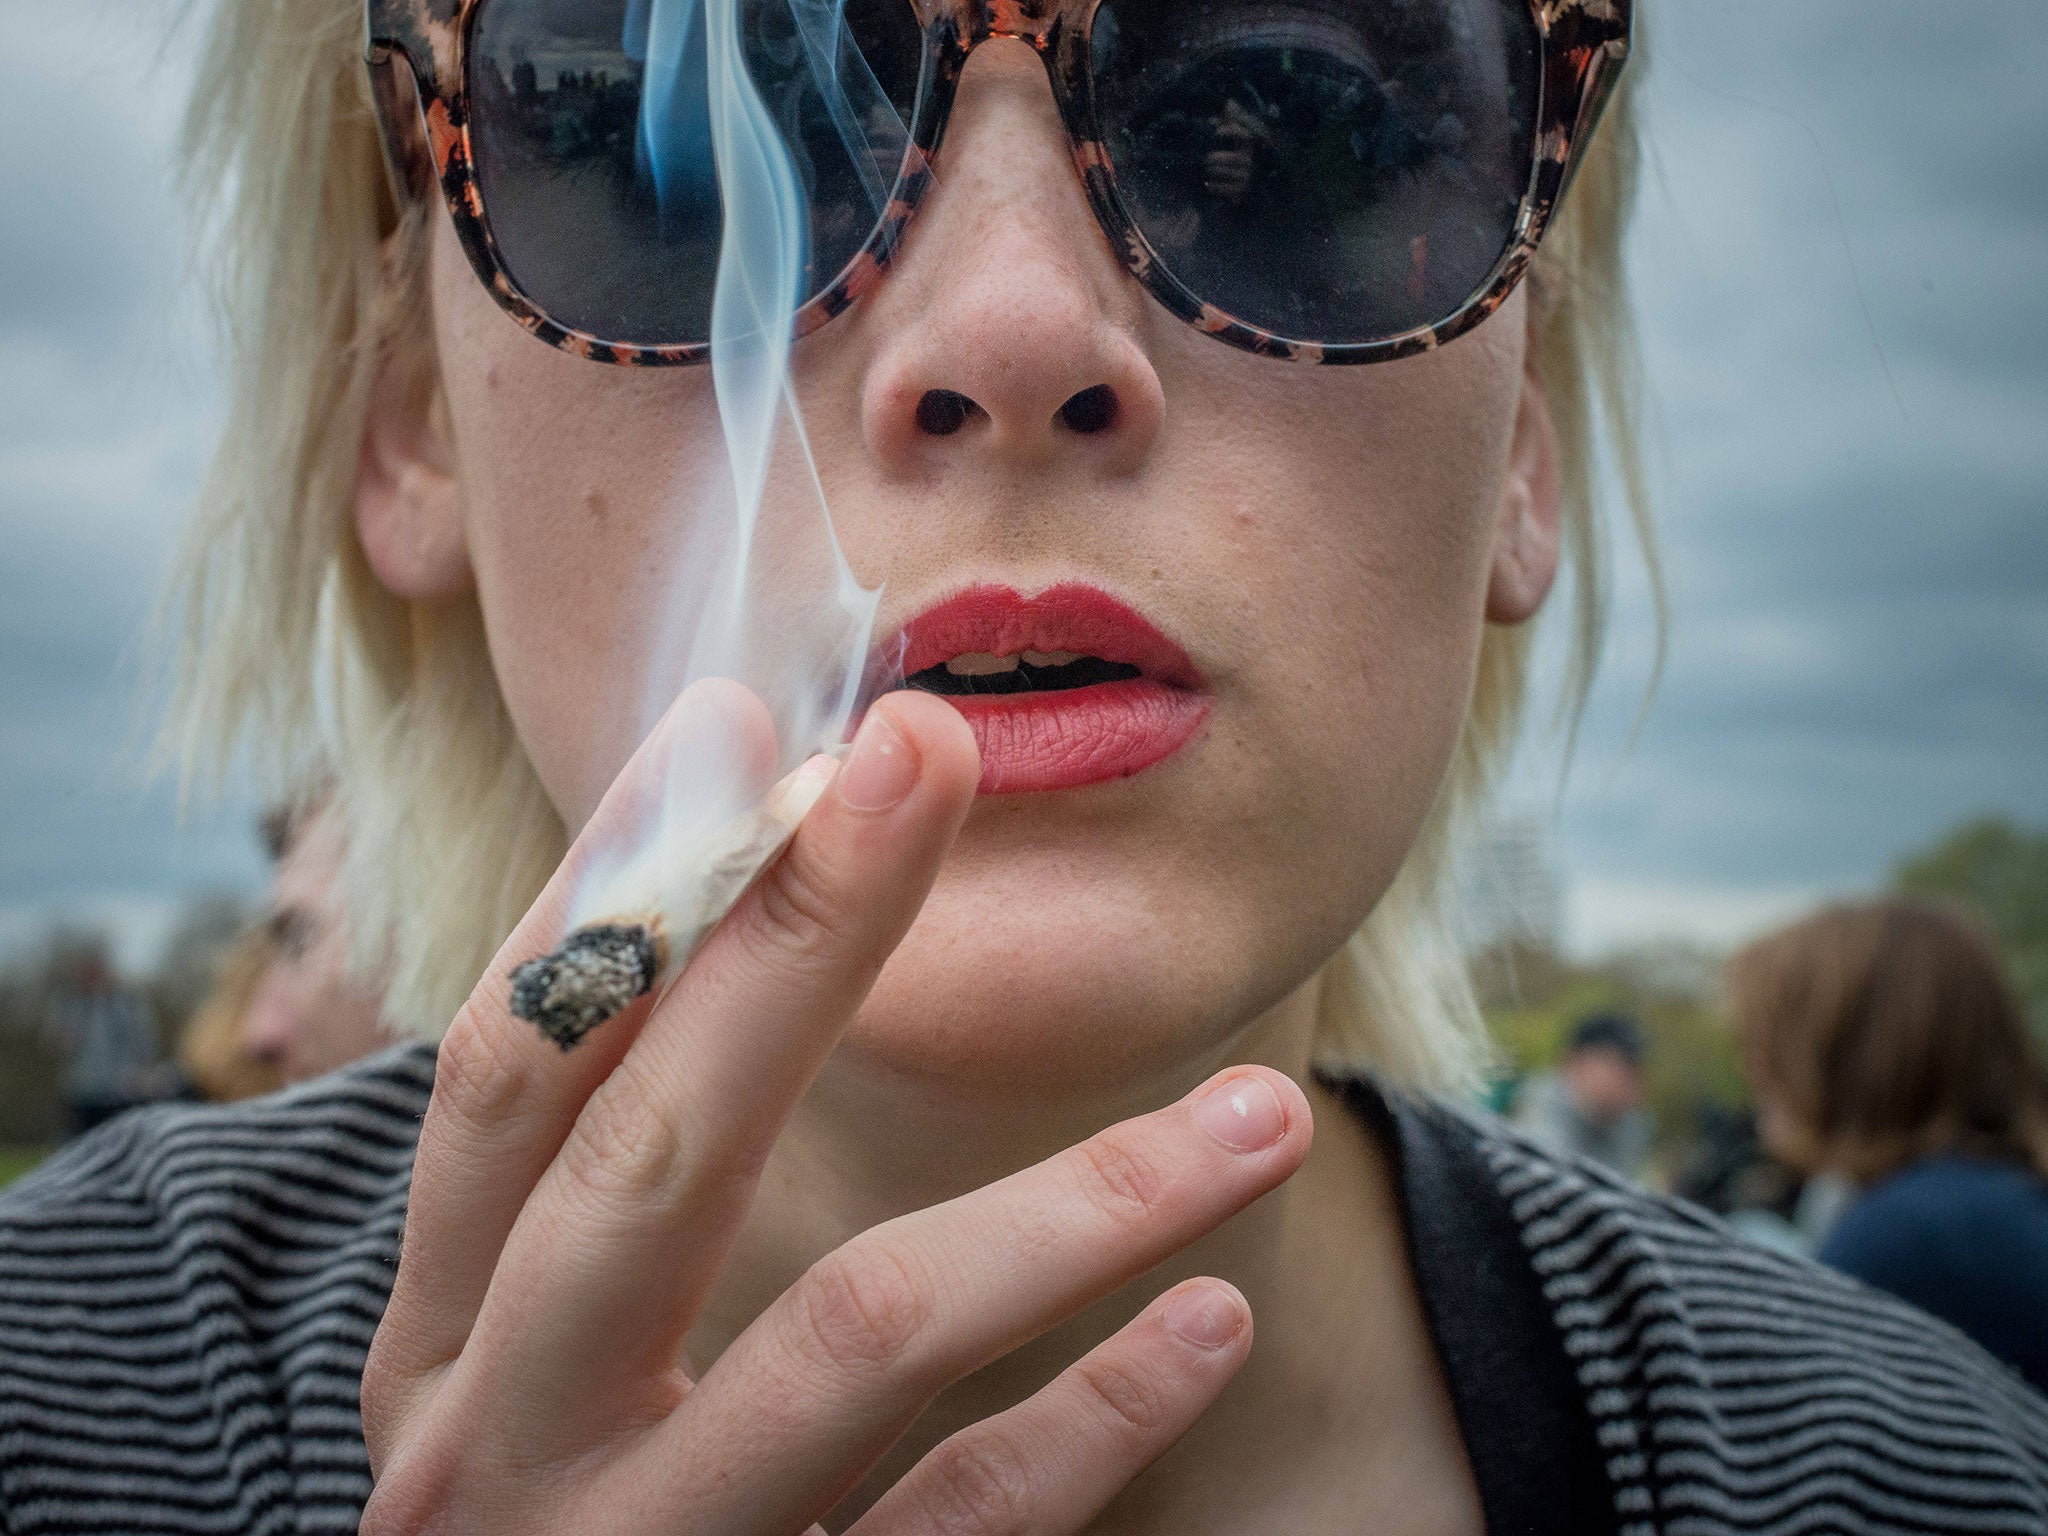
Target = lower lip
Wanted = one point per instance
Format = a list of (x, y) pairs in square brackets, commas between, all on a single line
[(1074, 736)]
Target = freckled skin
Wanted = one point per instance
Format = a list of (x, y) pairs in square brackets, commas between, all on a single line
[(1321, 541), (1328, 545)]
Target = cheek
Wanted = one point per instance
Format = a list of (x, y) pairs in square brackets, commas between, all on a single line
[(1361, 570), (576, 485)]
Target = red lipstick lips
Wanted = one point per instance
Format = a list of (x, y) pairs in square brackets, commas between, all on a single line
[(1067, 688)]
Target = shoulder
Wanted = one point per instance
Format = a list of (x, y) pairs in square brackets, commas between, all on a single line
[(1542, 1094), (1738, 1389), (1951, 1188), (186, 1299), (340, 1136), (1950, 1227)]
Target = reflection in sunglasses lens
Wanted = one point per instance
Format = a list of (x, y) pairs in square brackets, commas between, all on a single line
[(1330, 170), (592, 137)]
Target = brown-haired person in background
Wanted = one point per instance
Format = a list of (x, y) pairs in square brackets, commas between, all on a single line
[(1885, 1045)]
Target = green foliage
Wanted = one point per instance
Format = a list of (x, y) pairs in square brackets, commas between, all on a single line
[(15, 1161), (2001, 870), (31, 1069)]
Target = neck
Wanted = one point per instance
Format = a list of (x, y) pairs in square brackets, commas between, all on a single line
[(1304, 1429)]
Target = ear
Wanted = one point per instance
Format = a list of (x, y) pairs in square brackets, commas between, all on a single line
[(1526, 541), (408, 505)]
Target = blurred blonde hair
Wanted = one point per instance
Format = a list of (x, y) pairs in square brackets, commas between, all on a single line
[(211, 1049), (288, 643)]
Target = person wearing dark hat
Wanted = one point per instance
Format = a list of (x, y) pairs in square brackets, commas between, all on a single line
[(1591, 1104)]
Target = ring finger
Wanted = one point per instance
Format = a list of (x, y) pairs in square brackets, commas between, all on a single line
[(1051, 1464)]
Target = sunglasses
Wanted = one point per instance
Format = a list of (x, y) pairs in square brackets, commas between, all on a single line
[(1329, 181)]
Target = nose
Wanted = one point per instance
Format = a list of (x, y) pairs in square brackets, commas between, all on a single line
[(266, 1026), (1010, 331)]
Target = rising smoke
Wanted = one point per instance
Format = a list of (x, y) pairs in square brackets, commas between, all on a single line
[(759, 592)]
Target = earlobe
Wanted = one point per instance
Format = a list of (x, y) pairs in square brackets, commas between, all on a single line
[(408, 505), (1527, 539)]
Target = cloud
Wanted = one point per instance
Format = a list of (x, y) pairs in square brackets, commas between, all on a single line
[(1602, 916), (1837, 263), (106, 406)]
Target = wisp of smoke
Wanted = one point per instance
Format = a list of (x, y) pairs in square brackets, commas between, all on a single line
[(760, 593)]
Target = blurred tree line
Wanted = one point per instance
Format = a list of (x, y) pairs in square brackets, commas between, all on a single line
[(32, 980), (2002, 871)]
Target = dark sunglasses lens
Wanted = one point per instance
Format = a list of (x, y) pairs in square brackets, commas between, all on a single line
[(592, 136), (1338, 171)]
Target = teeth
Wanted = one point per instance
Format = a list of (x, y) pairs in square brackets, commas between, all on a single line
[(980, 664)]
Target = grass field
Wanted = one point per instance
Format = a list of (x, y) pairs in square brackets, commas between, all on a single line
[(15, 1161)]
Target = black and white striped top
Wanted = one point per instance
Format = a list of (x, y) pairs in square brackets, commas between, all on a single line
[(187, 1297)]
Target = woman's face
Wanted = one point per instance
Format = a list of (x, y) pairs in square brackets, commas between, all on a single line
[(1324, 543)]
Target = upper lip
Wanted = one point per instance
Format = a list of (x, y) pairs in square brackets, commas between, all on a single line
[(1069, 616)]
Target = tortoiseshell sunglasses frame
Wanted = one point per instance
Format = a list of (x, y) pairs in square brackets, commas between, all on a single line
[(1585, 43)]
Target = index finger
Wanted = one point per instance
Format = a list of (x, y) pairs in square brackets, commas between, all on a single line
[(504, 1097)]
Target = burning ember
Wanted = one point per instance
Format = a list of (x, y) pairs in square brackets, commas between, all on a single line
[(661, 911)]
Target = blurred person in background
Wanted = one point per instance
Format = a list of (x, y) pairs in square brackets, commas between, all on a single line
[(307, 1012), (285, 1006), (108, 1039), (1886, 1048), (211, 1051), (1592, 1103)]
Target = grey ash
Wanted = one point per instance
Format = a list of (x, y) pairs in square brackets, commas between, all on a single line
[(589, 977)]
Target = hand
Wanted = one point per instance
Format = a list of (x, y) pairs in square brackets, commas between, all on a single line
[(570, 1213)]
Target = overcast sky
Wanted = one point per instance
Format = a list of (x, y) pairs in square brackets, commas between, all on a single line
[(1842, 261)]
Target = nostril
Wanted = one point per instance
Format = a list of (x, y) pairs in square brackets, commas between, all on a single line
[(1092, 410), (942, 412)]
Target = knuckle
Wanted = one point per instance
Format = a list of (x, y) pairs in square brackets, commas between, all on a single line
[(1132, 1399), (625, 1152), (1120, 1179), (863, 1309), (397, 1508), (977, 1484), (477, 1082), (401, 1373), (805, 913), (419, 1495)]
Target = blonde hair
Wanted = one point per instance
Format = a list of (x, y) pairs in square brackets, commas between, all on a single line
[(288, 642)]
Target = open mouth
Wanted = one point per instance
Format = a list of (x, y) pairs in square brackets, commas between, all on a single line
[(981, 672), (1067, 688)]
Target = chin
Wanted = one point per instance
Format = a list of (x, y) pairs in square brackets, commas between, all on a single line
[(1033, 984)]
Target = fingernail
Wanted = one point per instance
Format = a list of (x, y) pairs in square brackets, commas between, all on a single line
[(1207, 1316), (882, 768), (1243, 1113)]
